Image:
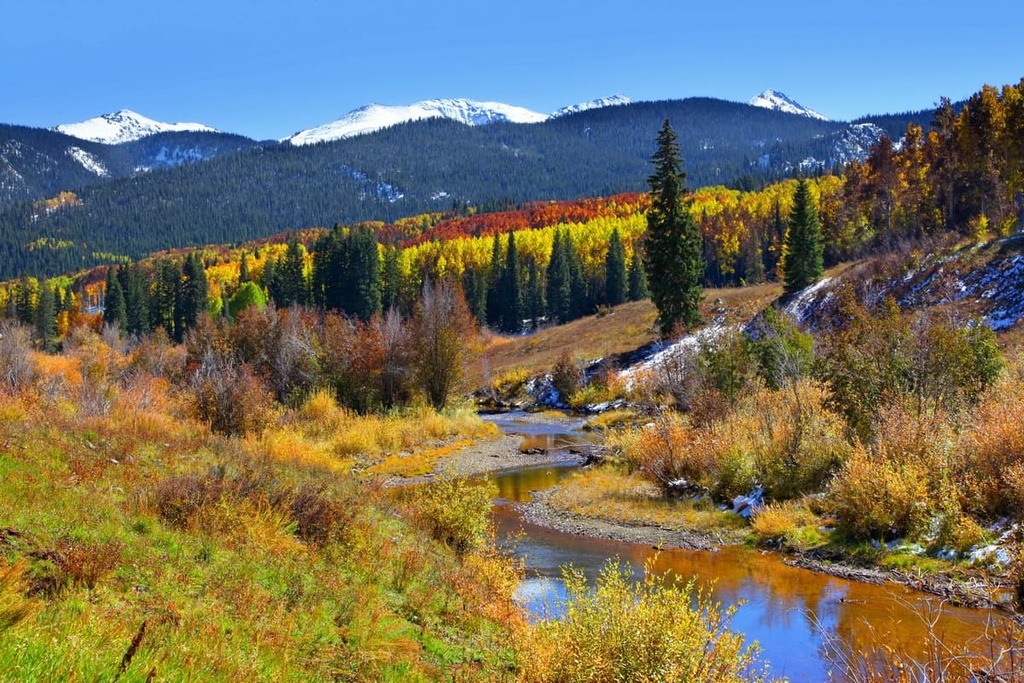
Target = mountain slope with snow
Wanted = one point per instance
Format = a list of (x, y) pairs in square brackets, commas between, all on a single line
[(773, 99), (124, 126), (374, 117), (613, 101)]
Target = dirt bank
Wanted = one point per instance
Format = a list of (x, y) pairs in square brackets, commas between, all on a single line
[(540, 512)]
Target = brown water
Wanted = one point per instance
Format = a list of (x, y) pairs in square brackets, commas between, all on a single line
[(799, 618)]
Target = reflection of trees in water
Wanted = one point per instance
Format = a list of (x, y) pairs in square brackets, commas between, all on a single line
[(811, 620), (845, 619)]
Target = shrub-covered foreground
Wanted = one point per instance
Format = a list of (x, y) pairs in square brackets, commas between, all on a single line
[(138, 544), (888, 426)]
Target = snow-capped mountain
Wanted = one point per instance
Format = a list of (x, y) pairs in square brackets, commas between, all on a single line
[(612, 101), (374, 117), (124, 126), (773, 99)]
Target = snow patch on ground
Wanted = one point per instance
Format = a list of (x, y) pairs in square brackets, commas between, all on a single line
[(663, 354), (808, 300), (998, 287), (90, 161)]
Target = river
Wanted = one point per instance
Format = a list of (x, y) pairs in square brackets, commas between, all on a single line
[(804, 622)]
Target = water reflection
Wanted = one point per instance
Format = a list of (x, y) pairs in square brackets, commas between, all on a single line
[(795, 615)]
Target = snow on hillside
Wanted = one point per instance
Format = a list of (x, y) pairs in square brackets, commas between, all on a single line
[(124, 126), (987, 281), (613, 101), (773, 99), (374, 117), (90, 161)]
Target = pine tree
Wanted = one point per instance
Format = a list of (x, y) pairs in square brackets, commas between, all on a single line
[(494, 280), (637, 278), (580, 292), (558, 287), (672, 245), (194, 299), (533, 300), (26, 300), (164, 307), (136, 300), (510, 289), (243, 269), (802, 252), (347, 272), (364, 273), (292, 287), (616, 286), (46, 317), (114, 310)]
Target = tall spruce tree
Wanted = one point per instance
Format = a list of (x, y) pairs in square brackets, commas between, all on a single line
[(164, 299), (290, 273), (616, 285), (243, 269), (637, 278), (194, 300), (581, 303), (672, 245), (135, 286), (802, 251), (494, 279), (46, 317), (558, 286), (114, 310), (363, 273), (533, 299), (511, 289)]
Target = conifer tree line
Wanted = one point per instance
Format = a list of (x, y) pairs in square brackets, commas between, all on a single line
[(346, 271), (963, 176)]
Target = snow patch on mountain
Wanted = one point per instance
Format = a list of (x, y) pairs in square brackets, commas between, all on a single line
[(779, 101), (613, 101), (374, 117), (124, 126), (90, 161)]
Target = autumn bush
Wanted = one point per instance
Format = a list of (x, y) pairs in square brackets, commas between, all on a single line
[(230, 397), (992, 451), (455, 512), (784, 441), (73, 562), (781, 523), (567, 376), (879, 495), (621, 630), (17, 371)]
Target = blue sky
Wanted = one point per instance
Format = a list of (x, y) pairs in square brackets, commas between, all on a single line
[(270, 69)]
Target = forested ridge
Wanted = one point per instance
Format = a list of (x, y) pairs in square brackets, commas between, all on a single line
[(424, 166)]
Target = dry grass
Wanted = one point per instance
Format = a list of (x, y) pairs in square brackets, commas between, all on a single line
[(625, 329), (789, 522), (417, 463), (605, 493)]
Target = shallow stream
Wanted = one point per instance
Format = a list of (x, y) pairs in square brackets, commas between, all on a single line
[(804, 622)]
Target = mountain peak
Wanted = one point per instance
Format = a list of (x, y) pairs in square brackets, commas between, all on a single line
[(779, 101), (611, 101), (373, 117), (124, 125)]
